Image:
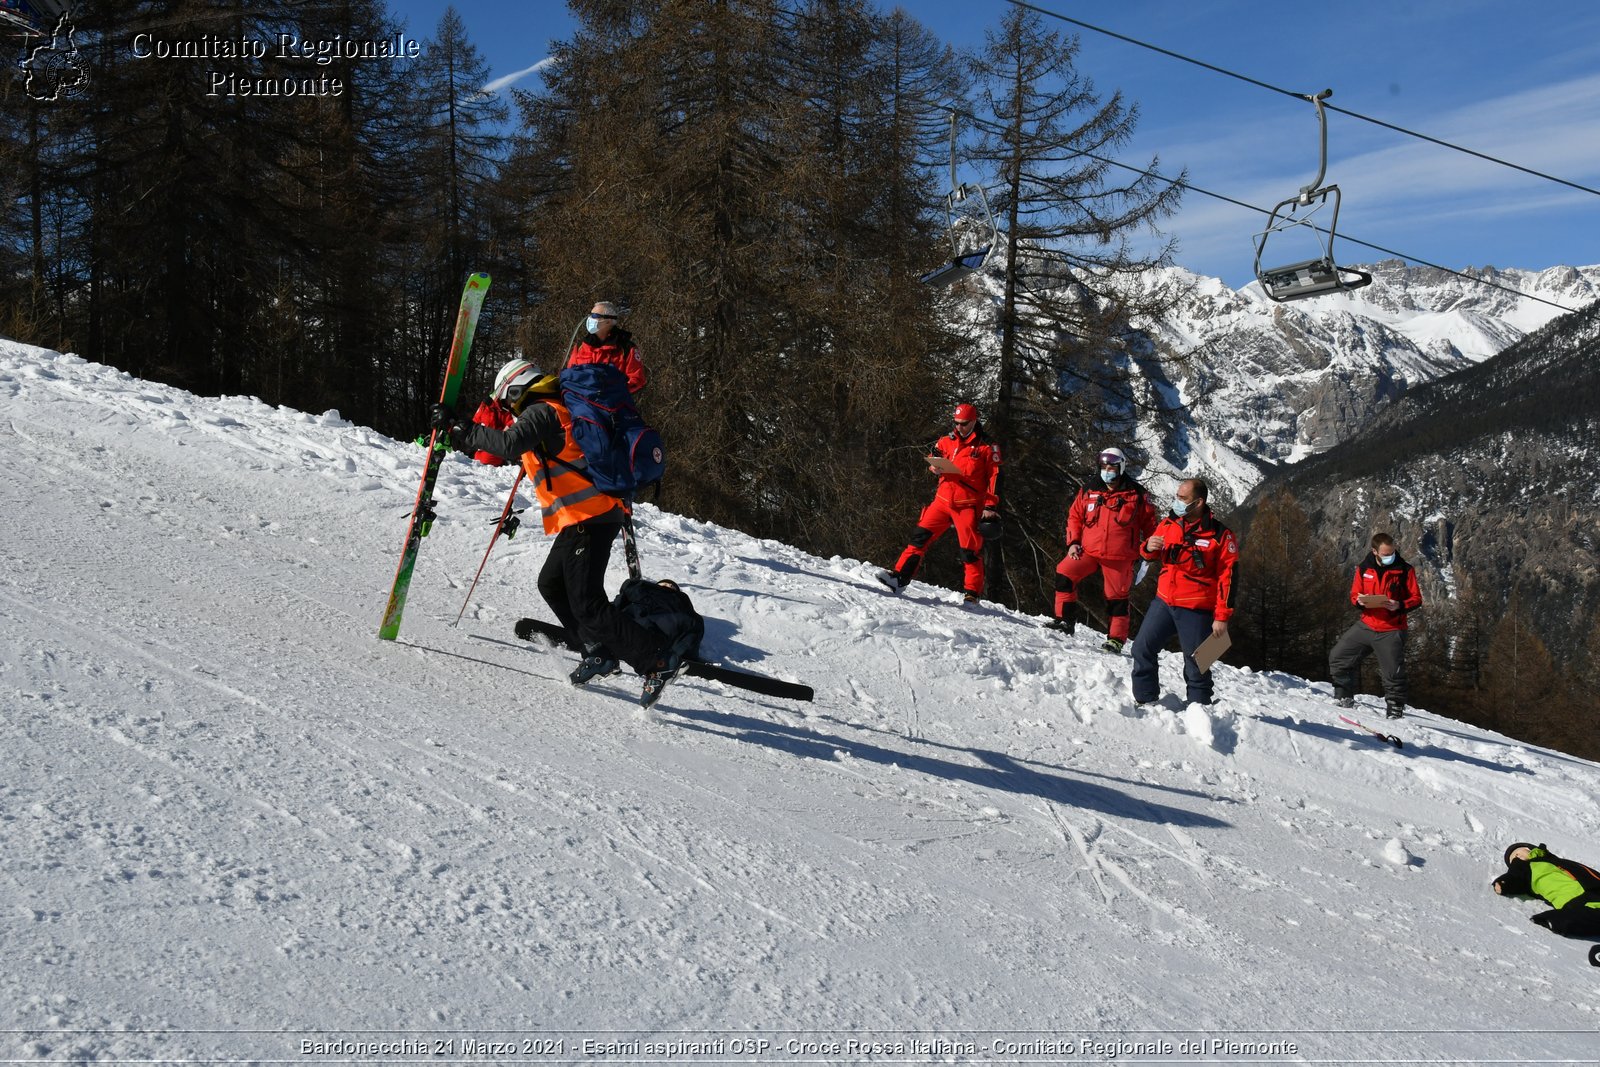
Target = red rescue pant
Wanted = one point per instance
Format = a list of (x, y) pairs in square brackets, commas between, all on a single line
[(936, 518), (1118, 576)]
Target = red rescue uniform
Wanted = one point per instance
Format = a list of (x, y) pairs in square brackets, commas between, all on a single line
[(617, 350), (1397, 581), (960, 501), (1197, 557), (1109, 522), (496, 416)]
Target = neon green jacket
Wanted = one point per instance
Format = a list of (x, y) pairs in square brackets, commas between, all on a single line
[(1559, 881)]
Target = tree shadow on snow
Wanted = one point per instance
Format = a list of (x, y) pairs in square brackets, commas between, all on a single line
[(998, 771)]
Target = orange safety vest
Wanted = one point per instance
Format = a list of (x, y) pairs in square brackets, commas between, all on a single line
[(562, 486)]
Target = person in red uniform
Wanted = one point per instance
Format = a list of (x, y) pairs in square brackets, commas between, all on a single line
[(1107, 522), (1194, 598), (606, 342), (1381, 628), (968, 480), (496, 414)]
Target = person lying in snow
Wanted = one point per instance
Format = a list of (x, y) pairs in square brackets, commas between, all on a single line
[(1571, 889)]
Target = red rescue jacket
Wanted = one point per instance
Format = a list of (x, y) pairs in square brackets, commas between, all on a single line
[(496, 416), (1397, 581), (1111, 521), (978, 459), (1197, 561), (617, 351)]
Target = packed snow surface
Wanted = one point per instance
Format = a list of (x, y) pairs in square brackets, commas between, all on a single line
[(235, 825)]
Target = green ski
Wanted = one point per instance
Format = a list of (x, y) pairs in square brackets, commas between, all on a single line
[(422, 515)]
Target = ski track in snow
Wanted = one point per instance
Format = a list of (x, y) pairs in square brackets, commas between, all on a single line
[(228, 810)]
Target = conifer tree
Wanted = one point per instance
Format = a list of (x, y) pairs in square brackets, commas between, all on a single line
[(1291, 598), (1521, 690), (458, 147), (729, 179), (1071, 363)]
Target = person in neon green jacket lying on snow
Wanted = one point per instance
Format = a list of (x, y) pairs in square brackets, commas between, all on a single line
[(1571, 889)]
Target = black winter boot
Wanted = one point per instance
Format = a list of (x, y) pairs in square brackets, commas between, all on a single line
[(1067, 622)]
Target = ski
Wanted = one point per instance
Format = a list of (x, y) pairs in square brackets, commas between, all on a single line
[(696, 668), (422, 512), (1391, 738), (630, 546)]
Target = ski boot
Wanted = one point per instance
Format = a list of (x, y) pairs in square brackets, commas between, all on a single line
[(1344, 701), (666, 670), (891, 581), (969, 598), (1113, 645), (1394, 709), (596, 663)]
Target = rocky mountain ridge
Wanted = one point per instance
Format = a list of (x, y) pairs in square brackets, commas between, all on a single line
[(1487, 474), (1272, 384)]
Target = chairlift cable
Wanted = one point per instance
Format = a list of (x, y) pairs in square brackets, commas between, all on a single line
[(1186, 184), (1301, 96)]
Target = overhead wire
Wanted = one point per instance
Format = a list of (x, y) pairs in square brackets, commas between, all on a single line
[(1184, 183), (1302, 96)]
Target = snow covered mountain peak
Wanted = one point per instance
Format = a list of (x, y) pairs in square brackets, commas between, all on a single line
[(1272, 383)]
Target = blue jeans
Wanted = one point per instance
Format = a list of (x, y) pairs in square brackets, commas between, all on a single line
[(1160, 623)]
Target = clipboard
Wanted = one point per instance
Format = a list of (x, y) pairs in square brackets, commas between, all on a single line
[(942, 465), (1211, 650), (1372, 600)]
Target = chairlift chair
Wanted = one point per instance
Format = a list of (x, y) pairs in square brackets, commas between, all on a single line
[(1308, 277), (969, 223)]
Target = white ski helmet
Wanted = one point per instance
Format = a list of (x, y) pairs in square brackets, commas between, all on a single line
[(1114, 455), (518, 378)]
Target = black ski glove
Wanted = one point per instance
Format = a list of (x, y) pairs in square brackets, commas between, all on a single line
[(444, 418), (1547, 919)]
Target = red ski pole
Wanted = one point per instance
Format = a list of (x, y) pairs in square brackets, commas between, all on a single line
[(498, 526)]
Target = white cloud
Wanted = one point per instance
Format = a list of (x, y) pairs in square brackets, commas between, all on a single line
[(501, 82)]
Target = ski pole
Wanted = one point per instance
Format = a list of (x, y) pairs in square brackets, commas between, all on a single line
[(498, 526), (1391, 738)]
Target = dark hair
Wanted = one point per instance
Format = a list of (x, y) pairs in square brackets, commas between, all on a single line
[(1201, 489), (1381, 539)]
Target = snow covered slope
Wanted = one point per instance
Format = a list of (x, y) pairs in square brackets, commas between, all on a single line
[(236, 825)]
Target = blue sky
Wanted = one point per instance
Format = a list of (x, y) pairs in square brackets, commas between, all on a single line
[(1521, 82)]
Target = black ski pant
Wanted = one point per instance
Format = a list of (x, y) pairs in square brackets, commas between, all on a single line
[(1344, 662), (572, 582)]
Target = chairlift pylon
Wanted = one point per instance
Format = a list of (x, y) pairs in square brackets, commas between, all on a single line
[(969, 223), (1309, 277)]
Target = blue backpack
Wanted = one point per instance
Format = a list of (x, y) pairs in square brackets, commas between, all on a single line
[(624, 455)]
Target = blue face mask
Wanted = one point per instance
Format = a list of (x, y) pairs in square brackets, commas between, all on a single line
[(1109, 476), (593, 325), (1386, 560), (1180, 506)]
